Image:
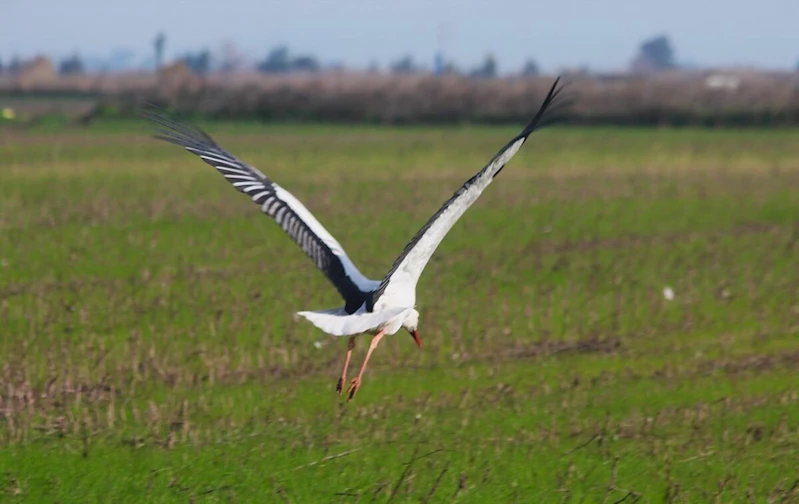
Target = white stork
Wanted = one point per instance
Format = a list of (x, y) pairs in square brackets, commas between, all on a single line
[(370, 306)]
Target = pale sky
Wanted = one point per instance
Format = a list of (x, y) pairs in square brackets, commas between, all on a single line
[(602, 34)]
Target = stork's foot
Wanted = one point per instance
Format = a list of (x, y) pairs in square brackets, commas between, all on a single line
[(355, 384), (340, 385)]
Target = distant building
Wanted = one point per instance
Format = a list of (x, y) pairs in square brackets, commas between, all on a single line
[(36, 72), (723, 81)]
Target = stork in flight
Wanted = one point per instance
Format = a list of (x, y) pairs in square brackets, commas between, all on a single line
[(370, 306)]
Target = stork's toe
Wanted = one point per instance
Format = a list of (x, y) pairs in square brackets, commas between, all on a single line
[(355, 384)]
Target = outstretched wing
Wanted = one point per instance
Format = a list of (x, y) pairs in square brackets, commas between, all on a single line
[(291, 215), (399, 285)]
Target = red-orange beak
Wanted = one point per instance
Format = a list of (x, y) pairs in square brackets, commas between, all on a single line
[(415, 335)]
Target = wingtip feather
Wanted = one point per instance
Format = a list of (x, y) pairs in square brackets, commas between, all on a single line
[(549, 105), (169, 129)]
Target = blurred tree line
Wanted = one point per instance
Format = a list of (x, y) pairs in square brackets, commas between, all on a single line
[(653, 55)]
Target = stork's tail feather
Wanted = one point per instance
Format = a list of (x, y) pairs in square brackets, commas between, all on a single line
[(337, 322)]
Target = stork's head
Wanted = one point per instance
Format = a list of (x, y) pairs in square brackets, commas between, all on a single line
[(410, 324)]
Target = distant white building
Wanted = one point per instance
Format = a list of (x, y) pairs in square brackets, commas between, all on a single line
[(723, 81)]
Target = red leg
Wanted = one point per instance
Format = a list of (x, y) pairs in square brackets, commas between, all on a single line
[(356, 382), (350, 346)]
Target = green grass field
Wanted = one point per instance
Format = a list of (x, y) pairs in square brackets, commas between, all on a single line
[(148, 349)]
